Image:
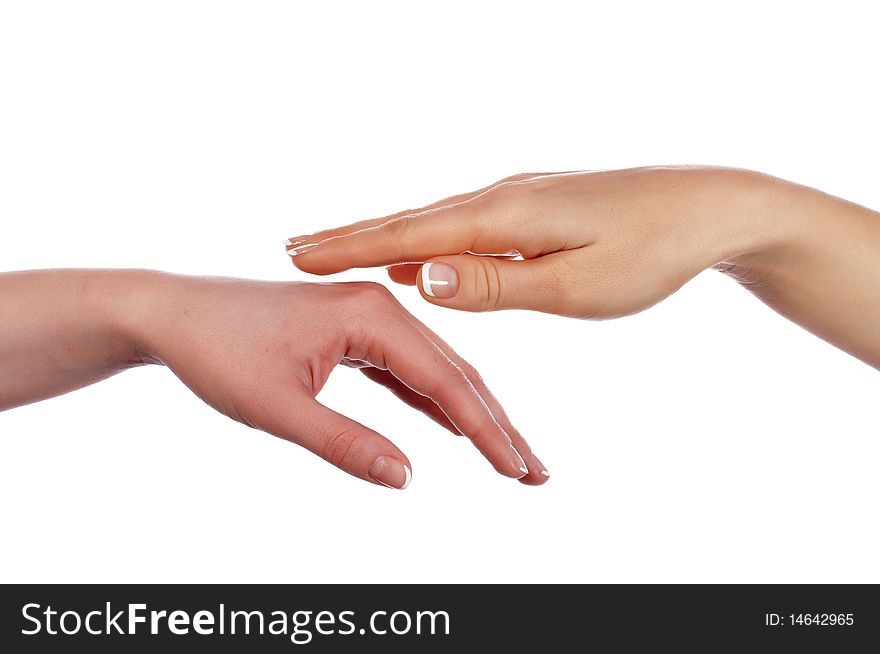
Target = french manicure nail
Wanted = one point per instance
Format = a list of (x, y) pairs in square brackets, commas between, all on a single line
[(390, 472), (300, 249), (439, 280), (296, 240), (518, 461), (542, 468)]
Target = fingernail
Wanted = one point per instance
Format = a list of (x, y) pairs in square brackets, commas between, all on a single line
[(439, 280), (302, 248), (295, 240), (518, 461), (390, 472), (544, 471)]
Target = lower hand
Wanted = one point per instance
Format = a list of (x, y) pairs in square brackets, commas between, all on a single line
[(260, 352)]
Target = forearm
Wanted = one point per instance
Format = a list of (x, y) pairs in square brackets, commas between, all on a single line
[(821, 269), (64, 329), (258, 352)]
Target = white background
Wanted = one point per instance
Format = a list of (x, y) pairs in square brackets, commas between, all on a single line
[(704, 440)]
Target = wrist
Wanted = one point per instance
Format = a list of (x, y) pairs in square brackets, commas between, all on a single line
[(766, 218), (141, 309)]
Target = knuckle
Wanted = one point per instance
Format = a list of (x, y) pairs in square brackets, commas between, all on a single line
[(401, 227), (488, 280), (456, 371), (340, 444), (473, 375), (451, 375), (513, 203), (493, 201), (403, 233), (503, 193), (513, 179), (484, 429), (372, 293)]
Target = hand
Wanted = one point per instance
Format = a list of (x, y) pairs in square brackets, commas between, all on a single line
[(606, 244), (590, 244), (260, 352)]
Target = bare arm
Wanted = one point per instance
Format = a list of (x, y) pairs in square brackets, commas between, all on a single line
[(259, 352), (610, 243)]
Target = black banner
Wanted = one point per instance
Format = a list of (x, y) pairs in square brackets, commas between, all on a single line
[(429, 618)]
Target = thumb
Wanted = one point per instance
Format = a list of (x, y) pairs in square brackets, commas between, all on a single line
[(485, 283), (347, 444)]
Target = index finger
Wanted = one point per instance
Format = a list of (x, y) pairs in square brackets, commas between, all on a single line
[(488, 221), (537, 471), (396, 345), (345, 230), (470, 225)]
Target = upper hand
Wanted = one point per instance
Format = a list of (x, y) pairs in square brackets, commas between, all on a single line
[(584, 244)]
